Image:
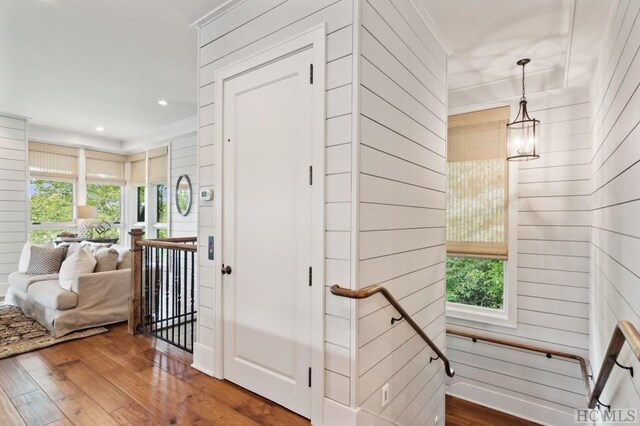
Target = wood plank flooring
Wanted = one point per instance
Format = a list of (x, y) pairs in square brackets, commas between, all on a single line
[(114, 378), (464, 413)]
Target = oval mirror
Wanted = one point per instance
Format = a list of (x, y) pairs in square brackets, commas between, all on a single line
[(183, 195)]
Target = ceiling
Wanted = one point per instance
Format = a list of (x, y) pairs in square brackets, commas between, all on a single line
[(485, 38), (82, 64)]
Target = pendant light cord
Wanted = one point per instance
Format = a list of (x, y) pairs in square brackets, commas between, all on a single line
[(523, 97)]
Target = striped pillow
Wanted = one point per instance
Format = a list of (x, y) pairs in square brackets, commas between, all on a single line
[(45, 260)]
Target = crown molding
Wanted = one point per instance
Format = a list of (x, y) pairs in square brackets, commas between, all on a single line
[(162, 135), (568, 20), (16, 116), (216, 13), (49, 134), (428, 20)]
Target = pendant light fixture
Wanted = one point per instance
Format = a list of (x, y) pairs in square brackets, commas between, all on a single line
[(523, 132)]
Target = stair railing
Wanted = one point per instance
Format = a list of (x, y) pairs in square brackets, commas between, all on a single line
[(624, 332), (374, 289)]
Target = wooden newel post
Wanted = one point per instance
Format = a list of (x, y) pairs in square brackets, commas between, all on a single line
[(136, 280)]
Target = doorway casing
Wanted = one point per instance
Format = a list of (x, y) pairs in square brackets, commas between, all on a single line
[(314, 39)]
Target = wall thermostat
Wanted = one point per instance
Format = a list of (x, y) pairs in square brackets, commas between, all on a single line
[(206, 194)]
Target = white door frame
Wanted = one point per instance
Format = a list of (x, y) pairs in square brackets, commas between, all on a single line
[(314, 39)]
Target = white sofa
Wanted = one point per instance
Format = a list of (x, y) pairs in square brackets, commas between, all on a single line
[(95, 299)]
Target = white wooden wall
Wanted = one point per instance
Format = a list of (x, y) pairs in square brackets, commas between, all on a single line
[(615, 205), (184, 161), (248, 28), (13, 205), (403, 115), (552, 277)]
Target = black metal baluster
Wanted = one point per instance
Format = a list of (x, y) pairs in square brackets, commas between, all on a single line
[(192, 300), (145, 276), (183, 322), (173, 296), (156, 277), (166, 294)]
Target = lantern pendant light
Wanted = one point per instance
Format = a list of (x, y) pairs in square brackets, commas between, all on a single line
[(523, 132)]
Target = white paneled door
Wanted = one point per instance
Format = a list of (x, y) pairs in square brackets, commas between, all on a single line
[(266, 237)]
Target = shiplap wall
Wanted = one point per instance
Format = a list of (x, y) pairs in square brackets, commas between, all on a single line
[(552, 276), (248, 28), (403, 115), (13, 205), (615, 203), (184, 161)]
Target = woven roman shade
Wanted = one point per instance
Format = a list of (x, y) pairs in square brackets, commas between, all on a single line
[(478, 185), (53, 161), (158, 165), (138, 170), (105, 167)]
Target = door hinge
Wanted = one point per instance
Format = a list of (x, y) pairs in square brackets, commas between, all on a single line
[(310, 73), (310, 276), (309, 376), (310, 175)]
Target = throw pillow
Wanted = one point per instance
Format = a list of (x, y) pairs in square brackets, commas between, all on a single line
[(79, 263), (25, 256), (45, 260), (73, 247), (124, 258), (94, 246), (107, 259)]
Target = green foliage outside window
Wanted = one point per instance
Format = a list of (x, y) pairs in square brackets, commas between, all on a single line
[(161, 199), (476, 282), (50, 202), (140, 210), (108, 200), (43, 236)]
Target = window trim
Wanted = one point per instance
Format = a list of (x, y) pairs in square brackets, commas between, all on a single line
[(508, 315)]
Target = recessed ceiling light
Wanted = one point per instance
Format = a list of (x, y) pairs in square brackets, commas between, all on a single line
[(163, 102), (100, 129)]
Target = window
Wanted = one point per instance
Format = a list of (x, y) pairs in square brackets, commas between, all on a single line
[(161, 203), (477, 213), (161, 210), (108, 200), (53, 170), (140, 203), (51, 209)]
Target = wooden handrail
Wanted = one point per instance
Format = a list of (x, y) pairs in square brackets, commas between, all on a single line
[(177, 239), (624, 332), (373, 289), (169, 244), (549, 352)]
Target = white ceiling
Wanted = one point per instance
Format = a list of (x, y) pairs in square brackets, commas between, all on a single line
[(485, 39), (80, 64)]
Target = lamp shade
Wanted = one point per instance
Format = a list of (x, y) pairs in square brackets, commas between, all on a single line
[(87, 212), (524, 131), (522, 136)]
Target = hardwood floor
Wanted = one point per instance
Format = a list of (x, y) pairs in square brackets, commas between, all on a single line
[(463, 413), (114, 378)]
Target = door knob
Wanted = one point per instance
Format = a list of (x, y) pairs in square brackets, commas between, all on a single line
[(226, 269)]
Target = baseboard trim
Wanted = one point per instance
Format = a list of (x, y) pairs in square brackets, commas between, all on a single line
[(509, 404), (3, 290), (203, 359)]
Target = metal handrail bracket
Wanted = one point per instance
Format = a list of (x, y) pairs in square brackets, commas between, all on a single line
[(624, 332), (374, 289)]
